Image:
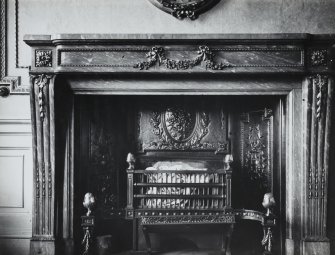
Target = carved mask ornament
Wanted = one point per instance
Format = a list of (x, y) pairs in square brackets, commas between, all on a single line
[(185, 8)]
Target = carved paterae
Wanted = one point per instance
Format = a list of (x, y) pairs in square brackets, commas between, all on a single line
[(318, 57), (187, 219), (157, 55), (43, 58), (179, 129), (185, 8)]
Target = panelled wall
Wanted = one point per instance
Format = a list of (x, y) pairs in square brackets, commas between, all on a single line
[(15, 175), (19, 17)]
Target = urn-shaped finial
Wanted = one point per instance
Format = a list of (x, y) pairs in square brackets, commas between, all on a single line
[(131, 161), (89, 203), (228, 159), (268, 203)]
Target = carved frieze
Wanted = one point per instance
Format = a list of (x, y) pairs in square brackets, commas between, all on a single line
[(157, 55), (256, 146), (43, 58), (187, 219)]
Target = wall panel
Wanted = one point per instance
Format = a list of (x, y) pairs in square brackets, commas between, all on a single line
[(15, 180)]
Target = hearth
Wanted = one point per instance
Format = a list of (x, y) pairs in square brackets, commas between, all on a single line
[(265, 99)]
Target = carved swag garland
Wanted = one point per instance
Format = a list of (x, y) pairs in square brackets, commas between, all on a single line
[(157, 54)]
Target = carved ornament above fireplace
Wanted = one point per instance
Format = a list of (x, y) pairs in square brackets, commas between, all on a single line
[(179, 127), (185, 8)]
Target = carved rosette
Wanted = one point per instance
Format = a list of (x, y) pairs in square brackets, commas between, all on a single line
[(256, 146), (318, 57), (43, 58), (179, 129), (318, 92)]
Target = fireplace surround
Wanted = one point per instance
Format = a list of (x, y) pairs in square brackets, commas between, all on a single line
[(297, 69)]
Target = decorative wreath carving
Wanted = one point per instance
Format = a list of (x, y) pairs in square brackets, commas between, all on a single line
[(185, 8)]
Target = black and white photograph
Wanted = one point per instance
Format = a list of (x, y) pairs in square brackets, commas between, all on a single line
[(167, 127)]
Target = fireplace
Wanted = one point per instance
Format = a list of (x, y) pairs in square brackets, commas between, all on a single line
[(94, 99)]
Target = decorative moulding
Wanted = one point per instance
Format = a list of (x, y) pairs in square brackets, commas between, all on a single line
[(185, 8), (9, 85)]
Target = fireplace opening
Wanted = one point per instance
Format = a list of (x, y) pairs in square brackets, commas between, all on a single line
[(182, 128)]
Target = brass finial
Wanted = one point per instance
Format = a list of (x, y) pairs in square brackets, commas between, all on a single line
[(89, 203), (131, 161), (268, 203), (228, 159)]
